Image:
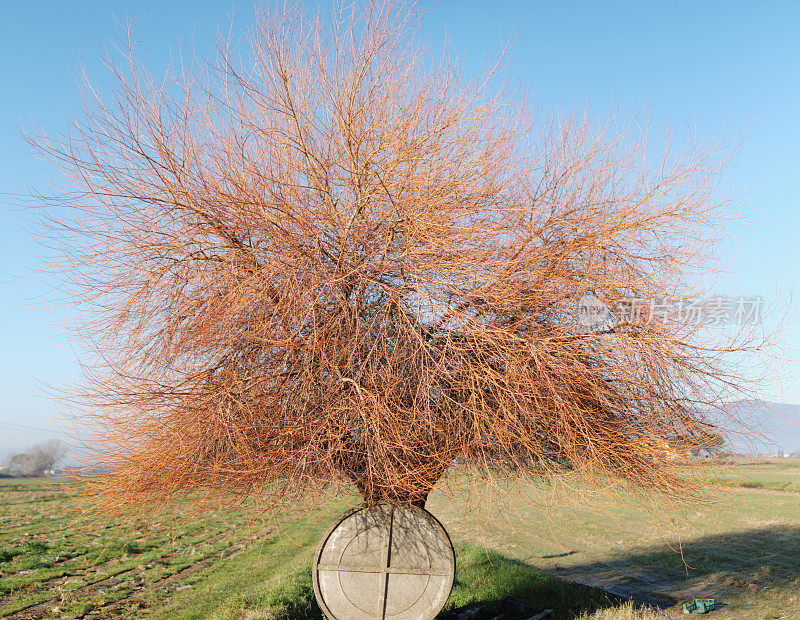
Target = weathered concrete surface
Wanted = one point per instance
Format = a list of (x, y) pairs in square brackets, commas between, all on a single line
[(384, 562)]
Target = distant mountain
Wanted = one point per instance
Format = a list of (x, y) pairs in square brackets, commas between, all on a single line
[(773, 427)]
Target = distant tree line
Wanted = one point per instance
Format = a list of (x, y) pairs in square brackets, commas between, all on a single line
[(37, 461)]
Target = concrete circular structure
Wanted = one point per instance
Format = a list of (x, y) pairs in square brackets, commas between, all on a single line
[(384, 562)]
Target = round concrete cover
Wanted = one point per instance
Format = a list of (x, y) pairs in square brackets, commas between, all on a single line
[(384, 562)]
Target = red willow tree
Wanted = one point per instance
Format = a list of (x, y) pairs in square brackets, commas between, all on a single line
[(329, 261)]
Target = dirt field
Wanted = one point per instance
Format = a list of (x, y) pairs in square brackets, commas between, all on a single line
[(744, 550)]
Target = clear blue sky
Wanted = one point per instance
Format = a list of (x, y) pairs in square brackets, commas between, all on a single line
[(732, 66)]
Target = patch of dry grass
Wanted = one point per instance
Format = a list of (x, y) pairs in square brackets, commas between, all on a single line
[(627, 611)]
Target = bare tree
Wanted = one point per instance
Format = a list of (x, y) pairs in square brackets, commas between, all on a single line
[(37, 461), (328, 261)]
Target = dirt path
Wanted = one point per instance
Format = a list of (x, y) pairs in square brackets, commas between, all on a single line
[(642, 591)]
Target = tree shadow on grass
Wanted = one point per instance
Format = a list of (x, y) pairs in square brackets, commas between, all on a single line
[(716, 566)]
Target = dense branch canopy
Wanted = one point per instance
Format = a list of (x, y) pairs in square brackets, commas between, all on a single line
[(331, 261)]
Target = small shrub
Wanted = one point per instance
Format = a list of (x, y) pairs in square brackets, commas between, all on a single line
[(33, 547), (43, 563), (8, 554)]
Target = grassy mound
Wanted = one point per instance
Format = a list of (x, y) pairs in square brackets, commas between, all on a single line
[(484, 576)]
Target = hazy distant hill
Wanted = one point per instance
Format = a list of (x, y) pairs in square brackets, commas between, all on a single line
[(777, 423)]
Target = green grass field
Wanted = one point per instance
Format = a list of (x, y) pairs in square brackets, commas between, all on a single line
[(742, 549)]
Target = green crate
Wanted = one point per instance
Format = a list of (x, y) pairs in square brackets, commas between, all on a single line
[(699, 606)]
